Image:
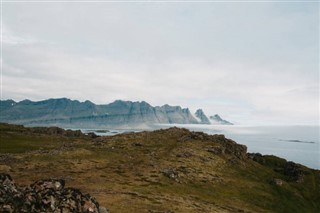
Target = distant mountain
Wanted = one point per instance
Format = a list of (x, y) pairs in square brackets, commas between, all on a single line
[(64, 112), (201, 117), (216, 119)]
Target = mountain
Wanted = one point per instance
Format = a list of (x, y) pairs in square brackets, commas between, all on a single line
[(169, 170), (72, 113), (216, 119), (201, 117), (68, 113)]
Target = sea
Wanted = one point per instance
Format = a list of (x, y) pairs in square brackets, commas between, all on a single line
[(297, 143)]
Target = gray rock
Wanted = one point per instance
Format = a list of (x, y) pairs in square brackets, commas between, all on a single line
[(294, 172), (277, 181), (171, 173), (44, 196)]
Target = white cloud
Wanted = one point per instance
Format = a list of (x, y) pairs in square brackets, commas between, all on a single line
[(248, 62), (9, 38)]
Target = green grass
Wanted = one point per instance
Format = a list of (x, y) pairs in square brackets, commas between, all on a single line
[(11, 143), (129, 178)]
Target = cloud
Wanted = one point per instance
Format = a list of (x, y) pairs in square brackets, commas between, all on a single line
[(251, 63), (9, 38)]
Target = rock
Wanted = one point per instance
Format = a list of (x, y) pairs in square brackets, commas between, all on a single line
[(92, 135), (10, 195), (238, 150), (171, 173), (257, 157), (44, 196), (216, 150), (185, 154), (225, 146), (51, 184), (137, 144), (57, 131), (293, 172), (277, 181), (7, 184)]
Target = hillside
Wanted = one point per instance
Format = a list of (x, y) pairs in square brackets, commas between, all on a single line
[(171, 170), (68, 113)]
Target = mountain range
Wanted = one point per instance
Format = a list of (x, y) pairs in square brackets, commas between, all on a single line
[(64, 112)]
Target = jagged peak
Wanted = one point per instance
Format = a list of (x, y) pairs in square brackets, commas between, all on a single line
[(129, 102), (187, 110), (88, 102), (166, 106), (216, 116), (199, 111), (121, 102), (201, 117)]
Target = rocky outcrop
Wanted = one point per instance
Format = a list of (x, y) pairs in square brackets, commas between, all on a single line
[(171, 173), (291, 170), (44, 196), (232, 148), (57, 131), (257, 157), (225, 145)]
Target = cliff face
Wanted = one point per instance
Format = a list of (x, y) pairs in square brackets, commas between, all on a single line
[(67, 113)]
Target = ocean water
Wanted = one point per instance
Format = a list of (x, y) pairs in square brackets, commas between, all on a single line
[(299, 144)]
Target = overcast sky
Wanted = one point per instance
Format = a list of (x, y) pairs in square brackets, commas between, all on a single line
[(252, 63)]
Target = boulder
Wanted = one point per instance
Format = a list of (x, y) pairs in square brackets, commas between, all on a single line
[(293, 172), (171, 173), (48, 195)]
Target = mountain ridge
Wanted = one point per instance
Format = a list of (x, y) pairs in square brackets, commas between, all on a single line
[(64, 112)]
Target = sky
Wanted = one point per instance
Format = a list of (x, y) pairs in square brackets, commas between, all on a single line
[(250, 62)]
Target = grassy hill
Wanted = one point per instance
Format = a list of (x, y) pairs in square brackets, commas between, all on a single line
[(172, 170)]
